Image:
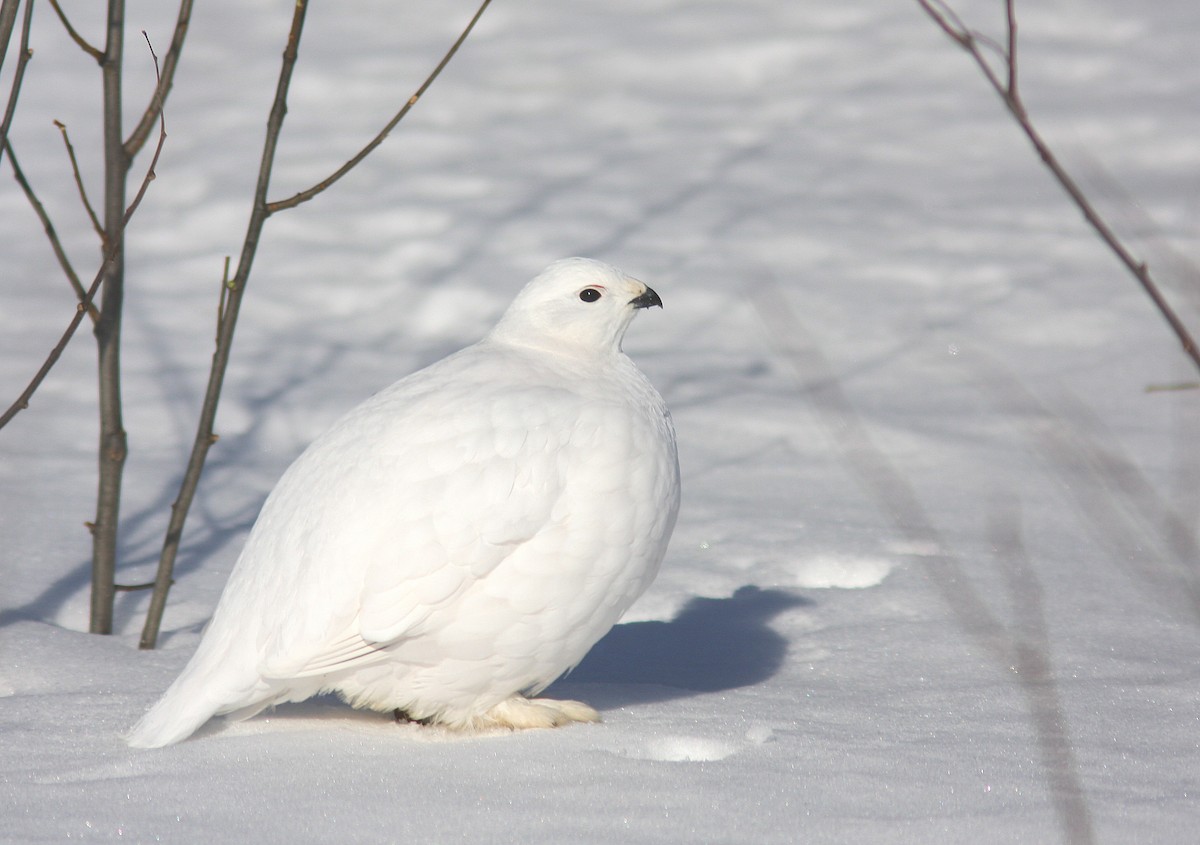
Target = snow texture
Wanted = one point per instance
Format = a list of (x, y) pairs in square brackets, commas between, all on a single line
[(934, 577)]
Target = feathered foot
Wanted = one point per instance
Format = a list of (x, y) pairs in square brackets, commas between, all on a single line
[(520, 713)]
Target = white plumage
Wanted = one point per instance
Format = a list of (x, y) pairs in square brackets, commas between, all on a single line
[(460, 539)]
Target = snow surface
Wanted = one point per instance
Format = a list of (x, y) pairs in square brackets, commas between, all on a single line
[(935, 576)]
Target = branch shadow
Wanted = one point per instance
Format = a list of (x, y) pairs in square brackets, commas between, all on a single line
[(209, 530), (710, 646)]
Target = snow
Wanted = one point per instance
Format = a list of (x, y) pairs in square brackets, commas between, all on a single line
[(935, 575)]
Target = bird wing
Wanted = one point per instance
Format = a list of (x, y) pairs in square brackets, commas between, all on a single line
[(404, 506)]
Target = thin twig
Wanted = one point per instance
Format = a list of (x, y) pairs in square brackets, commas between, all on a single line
[(969, 40), (87, 204), (166, 77), (306, 195), (59, 252), (954, 27), (223, 298), (94, 52), (8, 19), (1010, 17), (23, 57), (22, 401), (1179, 273), (232, 291), (151, 173)]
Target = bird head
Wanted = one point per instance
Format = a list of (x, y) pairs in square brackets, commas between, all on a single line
[(576, 304)]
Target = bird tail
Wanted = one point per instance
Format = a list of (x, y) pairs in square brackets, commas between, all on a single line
[(215, 681), (184, 707)]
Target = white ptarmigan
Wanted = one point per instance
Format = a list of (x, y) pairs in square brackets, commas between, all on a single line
[(459, 540)]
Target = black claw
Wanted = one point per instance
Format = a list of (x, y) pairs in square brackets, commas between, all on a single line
[(403, 718)]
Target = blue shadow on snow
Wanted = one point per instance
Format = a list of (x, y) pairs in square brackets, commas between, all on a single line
[(711, 645)]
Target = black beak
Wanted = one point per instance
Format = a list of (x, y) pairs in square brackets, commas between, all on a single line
[(646, 299)]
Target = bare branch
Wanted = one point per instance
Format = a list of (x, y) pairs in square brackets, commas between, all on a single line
[(23, 57), (22, 401), (151, 175), (87, 205), (113, 441), (8, 19), (55, 244), (166, 77), (305, 196), (1010, 16), (231, 298), (110, 256), (952, 25), (94, 52), (947, 19), (223, 298), (231, 292), (970, 40)]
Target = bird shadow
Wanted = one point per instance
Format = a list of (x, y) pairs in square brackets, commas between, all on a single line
[(710, 646)]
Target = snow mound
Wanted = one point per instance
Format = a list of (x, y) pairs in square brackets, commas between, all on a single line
[(842, 572)]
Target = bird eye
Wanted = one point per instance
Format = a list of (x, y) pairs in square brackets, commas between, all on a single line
[(589, 294)]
